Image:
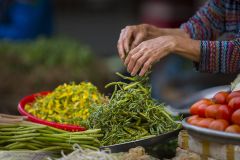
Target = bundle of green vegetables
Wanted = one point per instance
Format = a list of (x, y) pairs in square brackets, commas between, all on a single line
[(131, 113), (30, 136)]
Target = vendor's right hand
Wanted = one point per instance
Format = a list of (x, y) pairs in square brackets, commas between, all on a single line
[(132, 36)]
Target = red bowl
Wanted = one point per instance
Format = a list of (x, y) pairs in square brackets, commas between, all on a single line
[(30, 99)]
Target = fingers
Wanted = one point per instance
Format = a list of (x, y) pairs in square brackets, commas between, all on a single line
[(130, 54), (138, 60), (147, 65), (133, 61), (124, 41), (127, 36), (138, 65), (138, 39), (120, 46)]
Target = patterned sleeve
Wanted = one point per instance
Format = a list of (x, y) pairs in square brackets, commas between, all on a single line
[(208, 22), (220, 56), (207, 25)]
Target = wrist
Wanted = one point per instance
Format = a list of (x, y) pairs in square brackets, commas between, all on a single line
[(173, 43), (153, 31), (187, 47)]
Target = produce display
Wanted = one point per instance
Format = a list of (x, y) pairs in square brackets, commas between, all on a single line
[(131, 113), (67, 104), (31, 136), (222, 112)]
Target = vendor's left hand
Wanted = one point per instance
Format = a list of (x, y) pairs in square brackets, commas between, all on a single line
[(142, 57)]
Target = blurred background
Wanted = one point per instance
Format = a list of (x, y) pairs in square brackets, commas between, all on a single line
[(45, 43)]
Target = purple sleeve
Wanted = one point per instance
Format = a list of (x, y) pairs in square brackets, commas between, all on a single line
[(220, 56), (208, 22), (206, 25)]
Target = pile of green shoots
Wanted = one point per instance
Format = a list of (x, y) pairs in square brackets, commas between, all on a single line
[(131, 113)]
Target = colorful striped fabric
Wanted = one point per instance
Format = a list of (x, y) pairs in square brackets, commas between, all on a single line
[(214, 19)]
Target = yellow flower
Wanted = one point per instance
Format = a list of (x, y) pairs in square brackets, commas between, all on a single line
[(94, 97), (75, 98), (50, 111), (67, 103), (84, 117)]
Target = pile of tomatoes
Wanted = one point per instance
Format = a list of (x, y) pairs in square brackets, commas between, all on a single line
[(222, 112)]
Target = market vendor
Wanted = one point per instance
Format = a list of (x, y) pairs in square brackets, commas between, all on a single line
[(141, 46)]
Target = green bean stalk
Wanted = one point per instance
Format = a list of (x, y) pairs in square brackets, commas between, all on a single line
[(131, 114), (30, 136)]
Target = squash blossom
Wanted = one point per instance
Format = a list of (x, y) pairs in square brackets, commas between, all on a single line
[(67, 104)]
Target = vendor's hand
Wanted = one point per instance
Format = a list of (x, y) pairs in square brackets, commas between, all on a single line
[(147, 53), (132, 36)]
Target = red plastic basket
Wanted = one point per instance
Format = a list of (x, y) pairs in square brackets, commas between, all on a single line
[(30, 99)]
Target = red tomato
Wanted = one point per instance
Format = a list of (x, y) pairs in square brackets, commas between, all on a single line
[(220, 97), (194, 107), (211, 111), (219, 124), (236, 117), (205, 122), (224, 112), (233, 128), (234, 103), (201, 109), (233, 94), (191, 118), (195, 121)]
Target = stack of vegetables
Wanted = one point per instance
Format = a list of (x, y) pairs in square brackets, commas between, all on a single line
[(43, 138), (222, 112), (16, 134), (131, 113)]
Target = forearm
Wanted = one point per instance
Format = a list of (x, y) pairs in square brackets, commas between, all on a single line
[(187, 48), (175, 32), (155, 32)]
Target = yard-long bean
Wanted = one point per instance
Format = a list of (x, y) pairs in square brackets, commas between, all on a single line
[(43, 138)]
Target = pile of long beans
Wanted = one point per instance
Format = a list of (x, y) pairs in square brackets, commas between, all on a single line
[(131, 113), (29, 136)]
